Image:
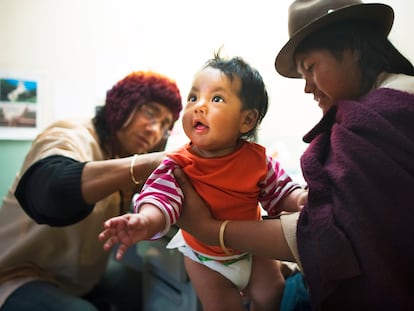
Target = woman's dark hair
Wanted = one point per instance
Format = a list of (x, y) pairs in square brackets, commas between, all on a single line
[(253, 93), (377, 53)]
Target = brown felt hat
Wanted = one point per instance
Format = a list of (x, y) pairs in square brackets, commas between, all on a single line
[(307, 16)]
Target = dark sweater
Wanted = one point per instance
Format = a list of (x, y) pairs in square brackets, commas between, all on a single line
[(49, 191), (355, 236)]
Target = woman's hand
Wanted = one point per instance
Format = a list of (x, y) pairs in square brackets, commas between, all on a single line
[(196, 217)]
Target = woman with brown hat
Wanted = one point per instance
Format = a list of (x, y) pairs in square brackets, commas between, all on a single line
[(353, 239), (75, 176)]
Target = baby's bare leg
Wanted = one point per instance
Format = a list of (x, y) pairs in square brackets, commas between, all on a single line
[(266, 285), (215, 292)]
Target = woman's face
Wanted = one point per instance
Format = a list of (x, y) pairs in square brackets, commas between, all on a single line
[(329, 78), (145, 128)]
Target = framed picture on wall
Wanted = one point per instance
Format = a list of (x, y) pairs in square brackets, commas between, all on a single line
[(19, 108)]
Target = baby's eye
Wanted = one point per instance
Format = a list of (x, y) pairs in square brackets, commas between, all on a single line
[(191, 98), (217, 99)]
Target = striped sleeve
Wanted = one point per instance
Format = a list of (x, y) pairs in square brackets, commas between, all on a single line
[(162, 190), (275, 187)]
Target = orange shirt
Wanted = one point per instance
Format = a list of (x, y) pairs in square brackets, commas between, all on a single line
[(229, 184)]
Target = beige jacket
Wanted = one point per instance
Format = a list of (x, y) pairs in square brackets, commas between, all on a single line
[(71, 256)]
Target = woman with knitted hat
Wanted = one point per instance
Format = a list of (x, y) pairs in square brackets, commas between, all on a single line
[(74, 177), (353, 239)]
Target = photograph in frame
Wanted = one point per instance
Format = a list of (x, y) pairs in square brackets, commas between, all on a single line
[(18, 108)]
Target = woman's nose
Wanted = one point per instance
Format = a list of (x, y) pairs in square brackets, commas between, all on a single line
[(309, 86), (155, 128)]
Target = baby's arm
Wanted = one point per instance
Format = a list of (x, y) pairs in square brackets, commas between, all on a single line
[(294, 201), (157, 207), (279, 192), (129, 229)]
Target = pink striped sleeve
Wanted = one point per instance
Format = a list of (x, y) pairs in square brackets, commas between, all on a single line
[(276, 185), (162, 190)]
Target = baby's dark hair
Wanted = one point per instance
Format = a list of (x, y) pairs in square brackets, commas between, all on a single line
[(253, 93)]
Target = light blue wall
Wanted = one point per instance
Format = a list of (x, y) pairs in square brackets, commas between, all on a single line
[(12, 153)]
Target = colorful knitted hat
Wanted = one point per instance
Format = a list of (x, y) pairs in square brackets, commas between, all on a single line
[(136, 89)]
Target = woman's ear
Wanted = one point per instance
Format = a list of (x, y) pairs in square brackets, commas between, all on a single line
[(248, 120)]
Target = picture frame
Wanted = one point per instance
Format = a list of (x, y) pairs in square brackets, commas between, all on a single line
[(19, 107)]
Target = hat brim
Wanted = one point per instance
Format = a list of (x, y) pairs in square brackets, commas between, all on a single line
[(381, 15)]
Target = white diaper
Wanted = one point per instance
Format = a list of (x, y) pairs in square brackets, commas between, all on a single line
[(236, 268)]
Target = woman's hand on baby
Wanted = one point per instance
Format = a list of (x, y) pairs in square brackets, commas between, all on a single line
[(196, 216)]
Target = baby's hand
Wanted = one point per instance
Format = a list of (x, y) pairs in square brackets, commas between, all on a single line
[(125, 230), (302, 199)]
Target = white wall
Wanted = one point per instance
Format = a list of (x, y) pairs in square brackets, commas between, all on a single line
[(78, 49)]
